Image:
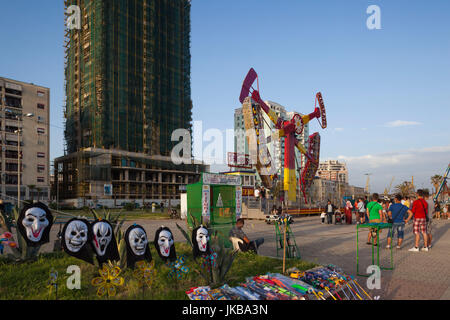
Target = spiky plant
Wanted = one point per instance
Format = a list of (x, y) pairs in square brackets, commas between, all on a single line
[(225, 256), (22, 252)]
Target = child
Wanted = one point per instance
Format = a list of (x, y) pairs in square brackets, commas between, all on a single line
[(322, 216)]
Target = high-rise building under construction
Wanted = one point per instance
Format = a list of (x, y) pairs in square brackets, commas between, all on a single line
[(127, 89)]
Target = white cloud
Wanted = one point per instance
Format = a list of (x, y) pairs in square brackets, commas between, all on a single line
[(403, 164), (339, 129), (402, 123)]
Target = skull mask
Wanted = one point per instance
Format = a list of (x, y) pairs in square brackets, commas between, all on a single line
[(103, 234), (138, 241), (35, 222), (202, 239), (76, 235)]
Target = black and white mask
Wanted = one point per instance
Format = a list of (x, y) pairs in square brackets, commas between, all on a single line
[(76, 236), (200, 241), (137, 245), (102, 237), (104, 242), (34, 224), (164, 244), (138, 241)]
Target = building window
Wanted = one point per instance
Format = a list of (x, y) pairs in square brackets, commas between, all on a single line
[(40, 94), (41, 154), (41, 179), (40, 130), (40, 168), (41, 106)]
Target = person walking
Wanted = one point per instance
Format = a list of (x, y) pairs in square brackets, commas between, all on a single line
[(437, 210), (429, 218), (329, 209), (397, 212), (362, 211), (375, 214), (420, 211), (348, 212)]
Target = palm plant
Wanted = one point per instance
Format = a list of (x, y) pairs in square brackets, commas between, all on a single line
[(436, 181), (406, 188)]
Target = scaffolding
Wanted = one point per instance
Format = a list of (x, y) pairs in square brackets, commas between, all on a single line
[(128, 75)]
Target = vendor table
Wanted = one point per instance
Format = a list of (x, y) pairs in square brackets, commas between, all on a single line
[(378, 227)]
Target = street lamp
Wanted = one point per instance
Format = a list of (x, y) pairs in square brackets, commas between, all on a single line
[(19, 131)]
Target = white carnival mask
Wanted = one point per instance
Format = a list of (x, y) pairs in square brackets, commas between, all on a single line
[(202, 239), (76, 235), (35, 221), (102, 237), (165, 241), (138, 241)]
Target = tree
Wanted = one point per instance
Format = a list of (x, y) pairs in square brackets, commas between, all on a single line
[(405, 188), (436, 181)]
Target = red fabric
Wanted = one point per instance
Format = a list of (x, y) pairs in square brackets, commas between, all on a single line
[(419, 209), (348, 215)]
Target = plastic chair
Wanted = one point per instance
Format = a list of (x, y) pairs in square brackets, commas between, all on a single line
[(236, 242)]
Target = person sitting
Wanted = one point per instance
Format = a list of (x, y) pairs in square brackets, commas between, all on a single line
[(246, 245)]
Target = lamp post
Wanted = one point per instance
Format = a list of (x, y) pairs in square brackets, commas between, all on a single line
[(19, 131)]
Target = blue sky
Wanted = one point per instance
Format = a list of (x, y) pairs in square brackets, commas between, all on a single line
[(387, 91)]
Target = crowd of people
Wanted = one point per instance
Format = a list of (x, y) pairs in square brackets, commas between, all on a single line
[(399, 211)]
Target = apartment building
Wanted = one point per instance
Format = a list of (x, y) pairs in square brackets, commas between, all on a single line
[(24, 118)]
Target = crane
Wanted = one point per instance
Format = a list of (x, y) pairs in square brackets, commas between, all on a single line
[(388, 189)]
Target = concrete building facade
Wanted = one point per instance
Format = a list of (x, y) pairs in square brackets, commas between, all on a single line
[(333, 170), (24, 117)]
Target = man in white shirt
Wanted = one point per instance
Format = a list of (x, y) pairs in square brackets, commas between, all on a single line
[(361, 211)]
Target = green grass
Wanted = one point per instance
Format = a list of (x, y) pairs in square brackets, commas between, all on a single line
[(28, 281), (136, 214)]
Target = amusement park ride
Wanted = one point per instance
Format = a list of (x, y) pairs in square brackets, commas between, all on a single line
[(253, 105)]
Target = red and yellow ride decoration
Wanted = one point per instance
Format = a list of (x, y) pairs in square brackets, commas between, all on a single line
[(289, 130)]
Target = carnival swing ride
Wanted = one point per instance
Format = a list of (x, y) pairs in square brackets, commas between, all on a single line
[(290, 130)]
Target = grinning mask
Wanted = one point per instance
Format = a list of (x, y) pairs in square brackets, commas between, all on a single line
[(138, 241), (137, 245), (76, 235), (34, 224)]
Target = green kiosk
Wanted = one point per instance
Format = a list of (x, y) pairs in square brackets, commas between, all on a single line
[(216, 198)]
